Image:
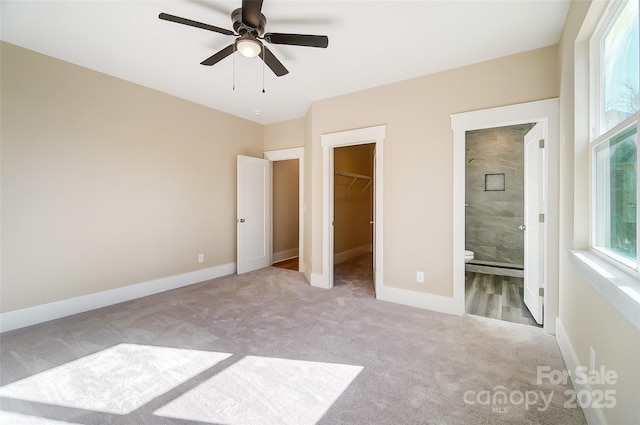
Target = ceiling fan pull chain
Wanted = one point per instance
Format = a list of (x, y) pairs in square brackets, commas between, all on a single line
[(234, 68), (263, 70)]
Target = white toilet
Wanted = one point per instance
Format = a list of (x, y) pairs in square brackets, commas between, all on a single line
[(468, 255)]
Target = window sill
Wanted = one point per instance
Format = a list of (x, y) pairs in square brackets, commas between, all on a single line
[(619, 288)]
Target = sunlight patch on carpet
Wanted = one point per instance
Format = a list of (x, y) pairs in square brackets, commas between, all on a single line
[(19, 419), (262, 390), (119, 379)]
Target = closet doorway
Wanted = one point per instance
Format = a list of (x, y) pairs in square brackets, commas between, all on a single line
[(331, 141), (353, 212)]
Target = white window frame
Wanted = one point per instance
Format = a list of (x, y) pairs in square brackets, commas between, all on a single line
[(598, 137)]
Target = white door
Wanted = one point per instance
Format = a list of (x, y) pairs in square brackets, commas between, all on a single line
[(254, 214), (373, 213), (534, 209), (332, 191)]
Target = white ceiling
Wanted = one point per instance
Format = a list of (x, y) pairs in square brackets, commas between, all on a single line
[(371, 43)]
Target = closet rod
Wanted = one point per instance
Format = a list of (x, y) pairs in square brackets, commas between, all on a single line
[(357, 176)]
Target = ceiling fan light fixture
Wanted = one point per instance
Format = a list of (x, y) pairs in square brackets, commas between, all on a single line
[(248, 46)]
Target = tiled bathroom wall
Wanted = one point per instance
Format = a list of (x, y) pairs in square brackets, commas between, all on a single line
[(493, 216)]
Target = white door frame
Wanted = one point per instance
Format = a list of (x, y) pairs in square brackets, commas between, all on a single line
[(283, 155), (546, 112), (329, 142)]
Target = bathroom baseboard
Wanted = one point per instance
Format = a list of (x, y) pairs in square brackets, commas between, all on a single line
[(496, 264), (498, 271)]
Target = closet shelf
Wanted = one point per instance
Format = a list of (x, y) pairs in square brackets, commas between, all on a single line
[(354, 177)]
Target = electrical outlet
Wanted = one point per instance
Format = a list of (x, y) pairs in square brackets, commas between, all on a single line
[(420, 277), (200, 258), (592, 360)]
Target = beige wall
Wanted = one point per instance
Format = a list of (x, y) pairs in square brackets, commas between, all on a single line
[(284, 135), (308, 229), (352, 199), (588, 319), (106, 183), (418, 155), (286, 203)]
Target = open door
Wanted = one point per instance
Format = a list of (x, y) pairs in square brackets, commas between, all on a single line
[(254, 214), (373, 214), (534, 210)]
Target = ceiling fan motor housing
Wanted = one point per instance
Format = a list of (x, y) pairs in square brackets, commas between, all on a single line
[(242, 28)]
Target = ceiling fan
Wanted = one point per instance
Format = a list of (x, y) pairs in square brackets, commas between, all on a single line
[(249, 23)]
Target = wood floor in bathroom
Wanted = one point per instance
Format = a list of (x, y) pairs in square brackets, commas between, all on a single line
[(497, 297)]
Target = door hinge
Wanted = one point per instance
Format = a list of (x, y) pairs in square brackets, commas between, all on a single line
[(541, 217), (541, 292), (541, 143)]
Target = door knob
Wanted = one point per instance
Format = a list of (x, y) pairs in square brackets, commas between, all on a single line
[(523, 227)]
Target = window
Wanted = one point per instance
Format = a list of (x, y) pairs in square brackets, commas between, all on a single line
[(614, 144)]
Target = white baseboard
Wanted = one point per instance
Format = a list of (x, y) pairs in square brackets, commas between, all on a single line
[(43, 313), (302, 267), (284, 255), (343, 256), (593, 416), (418, 299), (318, 280)]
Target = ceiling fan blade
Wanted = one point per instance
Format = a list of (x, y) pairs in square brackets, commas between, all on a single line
[(273, 63), (297, 39), (251, 12), (196, 24), (219, 56)]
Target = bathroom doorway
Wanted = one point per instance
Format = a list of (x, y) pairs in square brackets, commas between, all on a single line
[(545, 114), (495, 223)]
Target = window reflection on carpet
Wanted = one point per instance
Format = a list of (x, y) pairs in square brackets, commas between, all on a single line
[(19, 419), (265, 390), (119, 379)]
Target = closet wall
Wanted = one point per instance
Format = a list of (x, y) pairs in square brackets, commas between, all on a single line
[(285, 209), (353, 203)]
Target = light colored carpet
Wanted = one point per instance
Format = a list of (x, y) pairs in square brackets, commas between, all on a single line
[(119, 379), (264, 390), (267, 348)]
